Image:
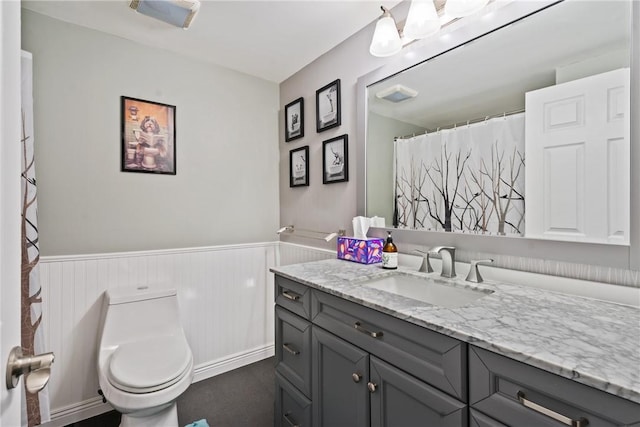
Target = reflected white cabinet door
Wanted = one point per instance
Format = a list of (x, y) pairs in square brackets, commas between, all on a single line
[(578, 160)]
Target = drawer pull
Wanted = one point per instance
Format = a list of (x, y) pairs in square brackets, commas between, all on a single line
[(359, 327), (291, 423), (290, 349), (291, 295), (582, 422)]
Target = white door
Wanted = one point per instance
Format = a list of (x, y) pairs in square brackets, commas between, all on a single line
[(578, 140), (10, 400)]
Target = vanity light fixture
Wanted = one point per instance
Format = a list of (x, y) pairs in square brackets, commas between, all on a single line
[(386, 38), (422, 21), (175, 12)]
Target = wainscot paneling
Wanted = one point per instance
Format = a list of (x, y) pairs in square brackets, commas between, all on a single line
[(226, 305)]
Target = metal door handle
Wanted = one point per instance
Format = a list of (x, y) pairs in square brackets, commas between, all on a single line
[(582, 422), (291, 423), (372, 387), (36, 369), (356, 377), (291, 295), (290, 349)]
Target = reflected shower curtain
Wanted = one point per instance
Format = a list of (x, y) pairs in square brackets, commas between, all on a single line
[(37, 405), (465, 179)]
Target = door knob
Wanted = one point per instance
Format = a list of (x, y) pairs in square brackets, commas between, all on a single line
[(372, 387), (356, 377), (37, 370)]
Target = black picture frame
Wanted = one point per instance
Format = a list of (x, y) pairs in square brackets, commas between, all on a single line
[(335, 160), (299, 167), (328, 108), (294, 120), (147, 136)]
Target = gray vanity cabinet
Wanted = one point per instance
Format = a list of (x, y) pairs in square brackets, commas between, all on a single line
[(340, 375), (516, 394), (292, 408), (353, 388), (293, 349)]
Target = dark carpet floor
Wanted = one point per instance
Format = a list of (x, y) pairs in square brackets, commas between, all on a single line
[(242, 397)]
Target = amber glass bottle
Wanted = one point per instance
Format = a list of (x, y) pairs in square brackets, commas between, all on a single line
[(389, 254)]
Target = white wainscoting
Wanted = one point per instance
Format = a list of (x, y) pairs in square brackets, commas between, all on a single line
[(226, 303)]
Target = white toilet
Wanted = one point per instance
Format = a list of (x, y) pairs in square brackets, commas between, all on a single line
[(144, 360)]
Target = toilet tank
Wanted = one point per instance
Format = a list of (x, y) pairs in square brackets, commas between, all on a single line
[(130, 314)]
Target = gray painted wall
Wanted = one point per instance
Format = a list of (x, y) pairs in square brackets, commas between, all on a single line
[(226, 187)]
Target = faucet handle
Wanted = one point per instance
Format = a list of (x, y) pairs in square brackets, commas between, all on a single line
[(474, 273), (425, 267)]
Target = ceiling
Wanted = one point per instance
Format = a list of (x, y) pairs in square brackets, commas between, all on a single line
[(267, 39)]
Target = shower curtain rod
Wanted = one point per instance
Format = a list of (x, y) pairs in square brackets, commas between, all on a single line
[(468, 122)]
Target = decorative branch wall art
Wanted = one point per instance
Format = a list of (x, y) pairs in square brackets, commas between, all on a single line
[(466, 179), (148, 132), (335, 159)]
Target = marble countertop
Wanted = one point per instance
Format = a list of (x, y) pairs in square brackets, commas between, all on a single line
[(592, 342)]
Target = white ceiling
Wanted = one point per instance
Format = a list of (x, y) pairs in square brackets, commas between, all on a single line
[(268, 39)]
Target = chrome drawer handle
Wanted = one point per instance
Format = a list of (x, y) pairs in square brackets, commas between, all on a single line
[(582, 422), (291, 295), (359, 327), (290, 349), (291, 423)]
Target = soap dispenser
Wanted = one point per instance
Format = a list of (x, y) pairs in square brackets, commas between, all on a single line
[(389, 254)]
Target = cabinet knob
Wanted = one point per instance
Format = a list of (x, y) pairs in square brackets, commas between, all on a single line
[(372, 386), (356, 377)]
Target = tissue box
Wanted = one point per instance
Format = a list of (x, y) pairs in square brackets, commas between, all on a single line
[(367, 251)]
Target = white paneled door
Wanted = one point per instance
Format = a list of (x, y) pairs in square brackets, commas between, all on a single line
[(10, 400), (578, 160)]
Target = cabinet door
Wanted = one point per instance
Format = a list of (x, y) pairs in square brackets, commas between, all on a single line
[(520, 395), (478, 419), (293, 349), (339, 375), (399, 400), (292, 408)]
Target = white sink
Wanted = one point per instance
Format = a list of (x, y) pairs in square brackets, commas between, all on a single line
[(429, 290)]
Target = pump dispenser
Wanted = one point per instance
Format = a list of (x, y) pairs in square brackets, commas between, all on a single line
[(389, 254)]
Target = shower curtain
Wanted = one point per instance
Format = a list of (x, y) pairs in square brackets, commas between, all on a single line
[(466, 179), (36, 410)]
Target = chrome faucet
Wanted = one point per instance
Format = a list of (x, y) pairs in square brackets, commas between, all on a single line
[(448, 254), (474, 273), (425, 267)]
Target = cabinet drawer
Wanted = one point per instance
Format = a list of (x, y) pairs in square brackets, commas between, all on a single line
[(293, 349), (429, 356), (292, 408), (293, 296), (501, 387), (478, 419)]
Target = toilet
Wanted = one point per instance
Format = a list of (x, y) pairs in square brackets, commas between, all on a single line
[(144, 360)]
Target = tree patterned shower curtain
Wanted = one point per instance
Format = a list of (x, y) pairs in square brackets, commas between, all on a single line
[(37, 405), (465, 179)]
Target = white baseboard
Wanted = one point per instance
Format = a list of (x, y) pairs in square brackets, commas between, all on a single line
[(93, 407)]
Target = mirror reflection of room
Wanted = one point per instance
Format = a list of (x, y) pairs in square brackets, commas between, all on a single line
[(533, 141)]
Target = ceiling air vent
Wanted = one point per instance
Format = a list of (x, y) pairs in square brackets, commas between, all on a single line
[(175, 12), (397, 93)]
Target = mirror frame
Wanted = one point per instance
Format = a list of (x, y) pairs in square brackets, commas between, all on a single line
[(613, 256)]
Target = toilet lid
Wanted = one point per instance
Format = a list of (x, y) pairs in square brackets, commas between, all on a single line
[(149, 365)]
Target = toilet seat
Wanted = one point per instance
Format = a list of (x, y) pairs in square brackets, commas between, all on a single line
[(149, 365)]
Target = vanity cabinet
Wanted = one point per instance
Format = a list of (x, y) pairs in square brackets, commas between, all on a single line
[(367, 368), (512, 393)]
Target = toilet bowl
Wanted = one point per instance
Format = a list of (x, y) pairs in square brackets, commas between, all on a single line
[(144, 359)]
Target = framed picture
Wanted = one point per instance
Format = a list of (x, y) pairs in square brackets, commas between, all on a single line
[(148, 132), (335, 160), (294, 120), (299, 167), (328, 106)]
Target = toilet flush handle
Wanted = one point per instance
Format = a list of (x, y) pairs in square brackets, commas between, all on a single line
[(36, 369)]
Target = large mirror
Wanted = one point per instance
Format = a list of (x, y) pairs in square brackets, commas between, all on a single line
[(504, 134)]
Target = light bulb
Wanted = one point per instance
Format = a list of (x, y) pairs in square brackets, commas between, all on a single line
[(422, 20)]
